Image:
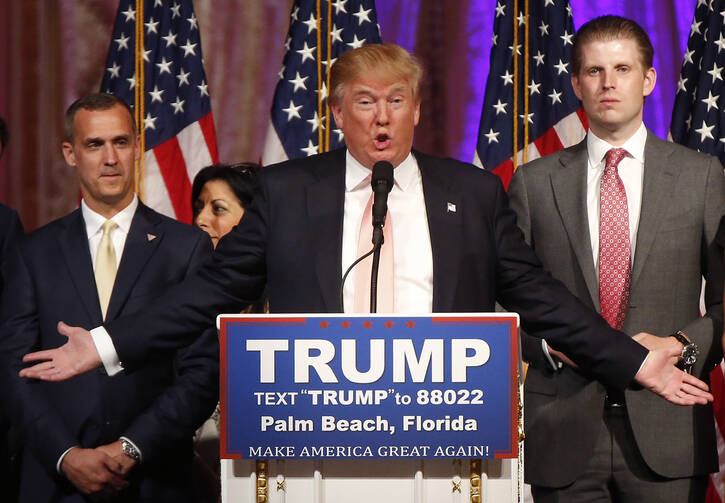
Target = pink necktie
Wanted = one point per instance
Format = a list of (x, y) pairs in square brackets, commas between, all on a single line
[(385, 269), (614, 252)]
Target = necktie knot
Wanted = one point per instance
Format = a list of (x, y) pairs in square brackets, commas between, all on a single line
[(108, 227), (614, 156)]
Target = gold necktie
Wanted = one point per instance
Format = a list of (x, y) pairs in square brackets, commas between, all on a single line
[(105, 266)]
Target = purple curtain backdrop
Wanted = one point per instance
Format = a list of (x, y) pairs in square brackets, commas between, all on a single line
[(666, 21)]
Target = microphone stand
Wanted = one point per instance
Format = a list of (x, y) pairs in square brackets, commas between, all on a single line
[(377, 244)]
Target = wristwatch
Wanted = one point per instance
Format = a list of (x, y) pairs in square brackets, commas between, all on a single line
[(129, 450), (689, 352)]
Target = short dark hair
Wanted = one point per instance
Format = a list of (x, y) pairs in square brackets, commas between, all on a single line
[(4, 135), (94, 101), (605, 28), (241, 178)]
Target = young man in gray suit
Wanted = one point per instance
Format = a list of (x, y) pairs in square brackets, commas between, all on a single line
[(624, 220)]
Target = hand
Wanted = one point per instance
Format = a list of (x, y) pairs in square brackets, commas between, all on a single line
[(93, 473), (652, 342), (561, 356), (75, 357), (659, 375), (115, 451)]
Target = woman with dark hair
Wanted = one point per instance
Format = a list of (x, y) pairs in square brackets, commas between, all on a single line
[(219, 195)]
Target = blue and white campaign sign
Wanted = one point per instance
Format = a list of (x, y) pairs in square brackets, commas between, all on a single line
[(340, 386)]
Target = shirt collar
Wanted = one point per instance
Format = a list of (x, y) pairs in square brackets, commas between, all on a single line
[(94, 220), (598, 148), (356, 174)]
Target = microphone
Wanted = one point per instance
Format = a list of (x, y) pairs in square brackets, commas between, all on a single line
[(382, 184)]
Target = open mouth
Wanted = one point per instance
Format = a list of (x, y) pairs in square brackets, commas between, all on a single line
[(382, 141)]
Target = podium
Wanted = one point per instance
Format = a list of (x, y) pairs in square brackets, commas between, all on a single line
[(381, 407)]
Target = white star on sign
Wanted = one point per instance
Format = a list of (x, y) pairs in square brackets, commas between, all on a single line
[(306, 53), (298, 82), (711, 101), (156, 94), (293, 111), (122, 41), (705, 131), (178, 106), (500, 107), (113, 70), (492, 136), (362, 15)]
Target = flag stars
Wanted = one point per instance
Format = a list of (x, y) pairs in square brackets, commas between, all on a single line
[(566, 37), (203, 89), (695, 28), (720, 43), (335, 34), (561, 67), (711, 101), (151, 26), (529, 117), (715, 72), (178, 105), (183, 77), (298, 82), (122, 41), (508, 78), (158, 3), (518, 49), (306, 52), (494, 39), (362, 15), (164, 66), (705, 132), (500, 9), (568, 10), (170, 39), (131, 82), (295, 13), (339, 6), (688, 56), (555, 97), (293, 111), (534, 88), (500, 107), (492, 136), (340, 134), (310, 149), (149, 121), (521, 19), (548, 2), (146, 55), (322, 91), (315, 122), (681, 84), (539, 58), (544, 28), (114, 70), (156, 94), (356, 43), (130, 14), (192, 22), (311, 24), (189, 48), (175, 11)]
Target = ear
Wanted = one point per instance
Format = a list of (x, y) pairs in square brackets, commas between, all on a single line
[(416, 115), (337, 114), (650, 78), (576, 86), (68, 153)]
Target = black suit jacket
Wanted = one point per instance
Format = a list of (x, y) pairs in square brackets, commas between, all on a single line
[(158, 406), (291, 237)]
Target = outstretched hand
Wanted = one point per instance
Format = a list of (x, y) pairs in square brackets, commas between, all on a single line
[(659, 375), (75, 357)]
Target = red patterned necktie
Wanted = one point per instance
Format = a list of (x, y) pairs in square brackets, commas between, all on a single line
[(614, 250)]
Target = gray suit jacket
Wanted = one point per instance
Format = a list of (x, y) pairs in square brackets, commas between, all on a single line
[(682, 202)]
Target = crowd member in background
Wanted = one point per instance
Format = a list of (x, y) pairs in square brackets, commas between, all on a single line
[(100, 437), (219, 195), (10, 229)]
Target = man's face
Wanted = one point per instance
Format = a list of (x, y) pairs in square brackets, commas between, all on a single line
[(378, 118), (103, 151), (612, 84)]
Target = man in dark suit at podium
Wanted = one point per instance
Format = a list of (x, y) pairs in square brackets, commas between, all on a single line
[(625, 220), (455, 245), (126, 438)]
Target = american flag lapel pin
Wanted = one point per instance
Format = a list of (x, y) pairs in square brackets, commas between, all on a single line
[(451, 208), (150, 237)]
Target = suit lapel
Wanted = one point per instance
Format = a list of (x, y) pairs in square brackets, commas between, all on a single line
[(141, 243), (569, 185), (444, 209), (325, 203), (73, 244), (659, 176)]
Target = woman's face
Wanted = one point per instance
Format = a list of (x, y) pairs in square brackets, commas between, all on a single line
[(217, 209)]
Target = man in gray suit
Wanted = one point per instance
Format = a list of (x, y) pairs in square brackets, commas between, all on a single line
[(625, 220)]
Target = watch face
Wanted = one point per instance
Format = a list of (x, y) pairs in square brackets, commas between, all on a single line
[(689, 354)]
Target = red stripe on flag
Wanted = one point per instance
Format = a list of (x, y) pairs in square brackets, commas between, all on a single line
[(712, 496), (549, 142), (717, 388), (505, 172), (583, 117), (207, 129), (173, 169)]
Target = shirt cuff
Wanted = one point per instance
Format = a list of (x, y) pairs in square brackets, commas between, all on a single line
[(643, 362), (60, 459), (555, 366), (106, 350), (140, 454)]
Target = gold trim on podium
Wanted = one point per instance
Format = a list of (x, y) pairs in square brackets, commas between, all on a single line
[(261, 467)]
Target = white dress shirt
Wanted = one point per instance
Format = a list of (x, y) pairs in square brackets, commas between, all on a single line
[(412, 254)]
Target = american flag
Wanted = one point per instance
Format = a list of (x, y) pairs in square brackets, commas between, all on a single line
[(299, 124), (177, 120), (697, 122), (555, 117)]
